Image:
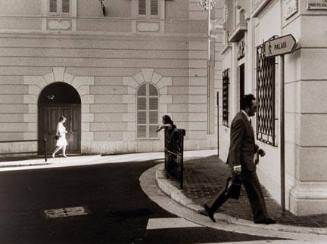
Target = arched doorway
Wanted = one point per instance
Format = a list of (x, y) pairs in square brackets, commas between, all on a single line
[(55, 100)]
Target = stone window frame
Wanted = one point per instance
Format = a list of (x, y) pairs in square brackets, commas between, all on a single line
[(162, 83), (148, 97)]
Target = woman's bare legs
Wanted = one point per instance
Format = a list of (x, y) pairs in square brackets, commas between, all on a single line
[(64, 151), (56, 150)]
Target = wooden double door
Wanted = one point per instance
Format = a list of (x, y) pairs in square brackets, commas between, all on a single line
[(49, 115)]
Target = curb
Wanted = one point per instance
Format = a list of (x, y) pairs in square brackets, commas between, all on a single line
[(58, 162), (170, 188)]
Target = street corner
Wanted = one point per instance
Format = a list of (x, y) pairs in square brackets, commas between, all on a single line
[(170, 188)]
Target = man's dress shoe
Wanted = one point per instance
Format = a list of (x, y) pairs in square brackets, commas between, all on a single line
[(206, 212)]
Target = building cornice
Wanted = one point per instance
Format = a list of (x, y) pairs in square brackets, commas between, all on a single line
[(238, 33)]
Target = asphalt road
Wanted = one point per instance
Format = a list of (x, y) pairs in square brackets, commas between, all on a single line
[(92, 204)]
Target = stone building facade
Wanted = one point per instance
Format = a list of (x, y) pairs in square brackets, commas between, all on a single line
[(113, 68), (246, 70)]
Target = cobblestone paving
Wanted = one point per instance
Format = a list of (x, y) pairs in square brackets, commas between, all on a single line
[(204, 178)]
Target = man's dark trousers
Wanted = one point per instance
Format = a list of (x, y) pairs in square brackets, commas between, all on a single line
[(253, 189)]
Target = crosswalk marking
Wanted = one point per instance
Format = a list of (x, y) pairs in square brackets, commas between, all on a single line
[(168, 223)]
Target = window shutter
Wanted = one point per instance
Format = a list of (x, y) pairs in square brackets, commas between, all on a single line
[(53, 6), (153, 90), (65, 6), (152, 131), (154, 7), (142, 7), (141, 131), (153, 103), (142, 91), (141, 103), (141, 117)]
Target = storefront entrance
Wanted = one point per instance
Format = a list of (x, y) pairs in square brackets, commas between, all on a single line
[(56, 100)]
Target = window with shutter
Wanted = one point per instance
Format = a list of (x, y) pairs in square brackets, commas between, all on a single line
[(59, 7), (53, 6), (65, 6), (147, 111), (154, 7), (148, 8), (142, 7)]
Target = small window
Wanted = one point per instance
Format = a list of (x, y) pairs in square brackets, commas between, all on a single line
[(154, 7), (142, 7), (53, 6), (65, 6), (59, 7), (148, 7), (147, 111)]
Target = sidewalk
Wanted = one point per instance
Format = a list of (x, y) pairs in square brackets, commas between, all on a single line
[(205, 177), (82, 160)]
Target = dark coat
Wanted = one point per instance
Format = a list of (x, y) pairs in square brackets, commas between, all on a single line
[(242, 143)]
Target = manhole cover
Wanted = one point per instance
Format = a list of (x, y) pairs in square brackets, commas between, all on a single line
[(65, 212)]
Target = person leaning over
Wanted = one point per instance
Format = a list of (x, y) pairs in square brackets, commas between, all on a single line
[(240, 159), (167, 123)]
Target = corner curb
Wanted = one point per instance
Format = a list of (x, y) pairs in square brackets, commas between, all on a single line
[(170, 188)]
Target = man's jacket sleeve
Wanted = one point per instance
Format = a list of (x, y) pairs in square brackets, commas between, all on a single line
[(236, 140)]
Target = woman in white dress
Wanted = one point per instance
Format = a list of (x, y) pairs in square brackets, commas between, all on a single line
[(61, 137)]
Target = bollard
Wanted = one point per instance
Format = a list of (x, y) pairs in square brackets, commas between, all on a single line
[(174, 149), (45, 149)]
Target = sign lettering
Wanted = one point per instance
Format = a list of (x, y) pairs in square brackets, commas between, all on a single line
[(279, 46), (317, 4)]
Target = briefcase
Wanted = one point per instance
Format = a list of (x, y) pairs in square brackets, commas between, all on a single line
[(233, 187)]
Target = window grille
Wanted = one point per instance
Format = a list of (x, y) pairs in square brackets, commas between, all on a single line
[(147, 111), (266, 131), (225, 96)]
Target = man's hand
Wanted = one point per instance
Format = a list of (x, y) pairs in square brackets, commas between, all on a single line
[(237, 169)]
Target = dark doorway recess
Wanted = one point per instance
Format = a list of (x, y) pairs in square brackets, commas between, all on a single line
[(55, 100)]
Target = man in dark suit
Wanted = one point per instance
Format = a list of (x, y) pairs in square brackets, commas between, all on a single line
[(240, 158)]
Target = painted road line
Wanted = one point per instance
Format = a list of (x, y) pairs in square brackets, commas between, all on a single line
[(270, 242), (169, 223)]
